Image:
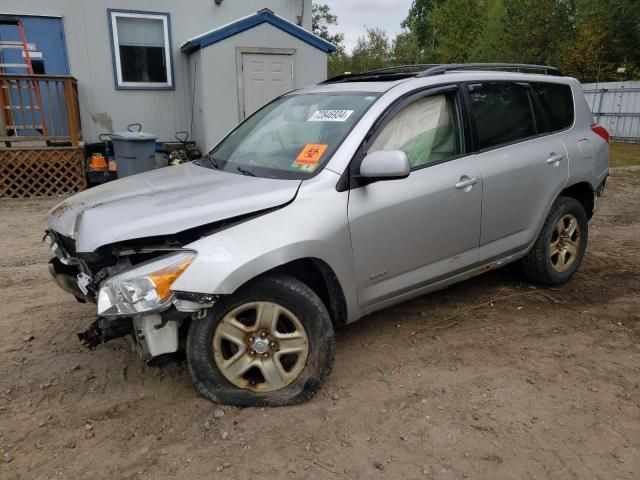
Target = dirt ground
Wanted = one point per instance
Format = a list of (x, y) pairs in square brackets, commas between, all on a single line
[(543, 384)]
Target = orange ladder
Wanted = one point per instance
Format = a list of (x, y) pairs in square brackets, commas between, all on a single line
[(9, 110)]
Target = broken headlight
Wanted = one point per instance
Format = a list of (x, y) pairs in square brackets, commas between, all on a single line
[(144, 288)]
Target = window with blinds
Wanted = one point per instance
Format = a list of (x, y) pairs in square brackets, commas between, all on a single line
[(142, 55)]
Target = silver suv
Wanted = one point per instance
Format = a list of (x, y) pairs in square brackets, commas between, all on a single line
[(327, 204)]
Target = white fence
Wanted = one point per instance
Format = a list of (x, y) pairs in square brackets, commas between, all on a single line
[(616, 106)]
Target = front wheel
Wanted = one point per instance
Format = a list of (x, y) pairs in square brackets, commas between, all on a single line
[(270, 343), (560, 247)]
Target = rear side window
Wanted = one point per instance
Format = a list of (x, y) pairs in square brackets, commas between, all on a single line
[(556, 101), (502, 113)]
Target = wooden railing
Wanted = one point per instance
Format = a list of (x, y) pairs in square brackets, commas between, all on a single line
[(39, 108)]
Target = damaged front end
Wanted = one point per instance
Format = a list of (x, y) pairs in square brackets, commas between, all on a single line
[(131, 287)]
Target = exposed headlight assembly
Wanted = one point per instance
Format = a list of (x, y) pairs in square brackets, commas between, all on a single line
[(145, 288)]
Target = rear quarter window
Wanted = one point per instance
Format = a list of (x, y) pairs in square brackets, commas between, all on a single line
[(556, 101)]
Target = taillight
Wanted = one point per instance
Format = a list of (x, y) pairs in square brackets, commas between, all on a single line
[(600, 131)]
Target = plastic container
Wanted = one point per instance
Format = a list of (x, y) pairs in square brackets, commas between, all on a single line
[(98, 162), (134, 152)]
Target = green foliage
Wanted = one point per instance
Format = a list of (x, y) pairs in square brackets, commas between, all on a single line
[(418, 21), (456, 25), (373, 50), (588, 39), (321, 19), (405, 50)]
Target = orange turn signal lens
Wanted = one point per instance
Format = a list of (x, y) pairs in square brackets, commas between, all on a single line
[(163, 279)]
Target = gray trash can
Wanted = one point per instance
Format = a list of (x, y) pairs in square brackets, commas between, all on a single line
[(134, 152)]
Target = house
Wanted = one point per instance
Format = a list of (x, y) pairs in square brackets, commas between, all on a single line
[(100, 65)]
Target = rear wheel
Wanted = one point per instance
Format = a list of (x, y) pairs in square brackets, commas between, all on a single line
[(560, 247), (270, 343)]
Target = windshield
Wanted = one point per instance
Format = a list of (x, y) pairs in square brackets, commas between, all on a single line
[(292, 137)]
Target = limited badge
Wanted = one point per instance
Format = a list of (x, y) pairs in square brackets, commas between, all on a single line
[(310, 156)]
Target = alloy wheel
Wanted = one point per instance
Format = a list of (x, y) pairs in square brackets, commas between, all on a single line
[(565, 243), (260, 346)]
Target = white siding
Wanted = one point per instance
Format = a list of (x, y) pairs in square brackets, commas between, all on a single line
[(89, 50), (217, 63), (616, 106)]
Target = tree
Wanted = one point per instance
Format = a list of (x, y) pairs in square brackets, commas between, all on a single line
[(418, 22), (618, 30), (405, 49), (321, 19), (585, 56), (371, 51), (525, 31), (456, 25)]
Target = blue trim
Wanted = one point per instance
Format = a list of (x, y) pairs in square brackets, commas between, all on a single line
[(263, 16), (113, 52)]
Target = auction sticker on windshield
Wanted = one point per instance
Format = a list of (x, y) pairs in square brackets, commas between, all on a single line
[(330, 115), (309, 156)]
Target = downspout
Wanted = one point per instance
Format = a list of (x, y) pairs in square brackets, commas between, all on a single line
[(301, 16)]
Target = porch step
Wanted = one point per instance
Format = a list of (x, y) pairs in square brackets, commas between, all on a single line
[(14, 65), (6, 44), (20, 107), (23, 127)]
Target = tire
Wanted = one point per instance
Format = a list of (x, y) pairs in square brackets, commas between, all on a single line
[(293, 306), (556, 255)]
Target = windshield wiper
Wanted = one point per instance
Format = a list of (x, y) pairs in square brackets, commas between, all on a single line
[(212, 161), (245, 172)]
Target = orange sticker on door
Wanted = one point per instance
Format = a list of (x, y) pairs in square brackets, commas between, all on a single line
[(310, 155)]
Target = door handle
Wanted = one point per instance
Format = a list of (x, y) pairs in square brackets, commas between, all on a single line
[(555, 158), (466, 182)]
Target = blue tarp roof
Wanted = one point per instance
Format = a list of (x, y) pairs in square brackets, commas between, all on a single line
[(246, 23)]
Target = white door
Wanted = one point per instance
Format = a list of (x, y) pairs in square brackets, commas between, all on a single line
[(264, 77)]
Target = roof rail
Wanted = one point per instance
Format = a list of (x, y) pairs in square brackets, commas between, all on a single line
[(429, 69), (382, 74), (517, 67), (402, 68)]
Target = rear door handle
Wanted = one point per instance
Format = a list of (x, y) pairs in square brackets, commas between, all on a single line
[(555, 158), (466, 181)]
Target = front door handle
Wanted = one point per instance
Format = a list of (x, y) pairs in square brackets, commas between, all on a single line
[(555, 158), (466, 181)]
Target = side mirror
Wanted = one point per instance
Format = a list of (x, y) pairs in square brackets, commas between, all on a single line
[(385, 165)]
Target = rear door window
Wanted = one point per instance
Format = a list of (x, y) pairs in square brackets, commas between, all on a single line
[(502, 112), (556, 101)]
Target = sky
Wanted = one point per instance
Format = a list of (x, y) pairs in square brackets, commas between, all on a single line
[(354, 15)]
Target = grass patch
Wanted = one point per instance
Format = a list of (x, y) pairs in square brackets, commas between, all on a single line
[(624, 154)]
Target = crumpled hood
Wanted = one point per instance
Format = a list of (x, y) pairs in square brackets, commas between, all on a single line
[(163, 202)]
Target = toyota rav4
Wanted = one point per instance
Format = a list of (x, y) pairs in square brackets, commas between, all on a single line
[(327, 204)]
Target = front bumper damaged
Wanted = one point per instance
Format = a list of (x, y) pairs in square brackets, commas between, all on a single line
[(151, 334)]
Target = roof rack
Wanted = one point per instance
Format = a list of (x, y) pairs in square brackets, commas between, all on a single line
[(404, 68), (371, 76), (420, 70), (508, 67)]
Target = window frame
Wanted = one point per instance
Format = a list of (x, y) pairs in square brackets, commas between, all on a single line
[(351, 179), (113, 14), (534, 105), (543, 112)]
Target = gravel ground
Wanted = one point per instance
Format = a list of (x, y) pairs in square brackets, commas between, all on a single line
[(535, 384)]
